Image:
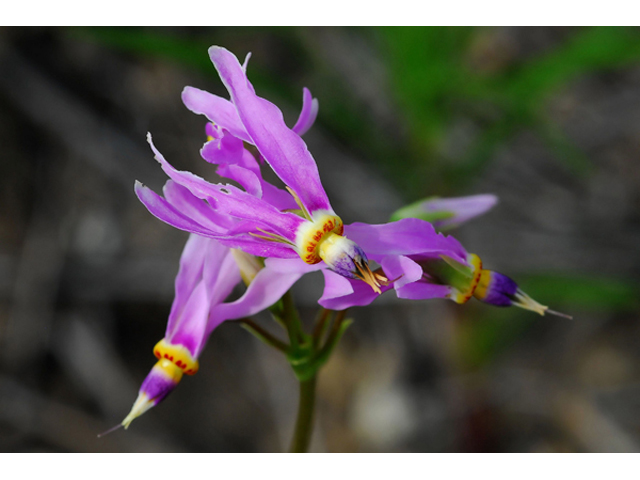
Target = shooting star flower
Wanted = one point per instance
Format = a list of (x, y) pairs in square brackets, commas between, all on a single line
[(208, 273), (311, 230)]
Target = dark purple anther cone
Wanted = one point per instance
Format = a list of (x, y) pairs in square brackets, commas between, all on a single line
[(496, 289), (345, 262), (158, 385)]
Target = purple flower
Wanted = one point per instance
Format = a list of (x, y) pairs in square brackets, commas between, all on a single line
[(208, 273), (299, 230), (447, 213), (266, 223), (436, 266)]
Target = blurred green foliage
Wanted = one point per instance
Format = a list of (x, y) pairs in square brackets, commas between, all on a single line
[(435, 81)]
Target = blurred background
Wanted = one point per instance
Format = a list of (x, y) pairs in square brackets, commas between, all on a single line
[(548, 119)]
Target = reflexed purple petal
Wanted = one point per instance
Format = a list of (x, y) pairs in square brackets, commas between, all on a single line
[(341, 293), (285, 151), (257, 247), (281, 199), (292, 265), (217, 109), (462, 208), (266, 289), (196, 185), (404, 237), (335, 286), (308, 114), (220, 151), (188, 277), (246, 178), (242, 205), (163, 210), (233, 201), (221, 272), (422, 290), (195, 208), (187, 328), (401, 268)]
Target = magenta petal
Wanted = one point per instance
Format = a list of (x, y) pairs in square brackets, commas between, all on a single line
[(308, 113), (188, 328), (242, 205), (227, 149), (341, 293), (281, 199), (195, 208), (405, 237), (266, 289), (401, 268), (285, 151), (206, 277), (259, 248), (163, 210), (246, 178), (221, 272), (292, 265), (188, 277), (462, 209), (217, 109), (423, 290), (233, 201)]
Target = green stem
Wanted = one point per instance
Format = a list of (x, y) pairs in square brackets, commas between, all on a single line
[(262, 335), (322, 321), (304, 421), (292, 320)]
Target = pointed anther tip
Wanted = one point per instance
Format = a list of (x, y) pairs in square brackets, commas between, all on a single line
[(558, 314), (111, 430)]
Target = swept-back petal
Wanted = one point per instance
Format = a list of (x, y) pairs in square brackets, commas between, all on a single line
[(233, 201), (268, 286), (341, 293), (281, 147), (405, 237), (308, 113), (160, 208), (188, 277), (217, 109), (423, 291), (447, 213)]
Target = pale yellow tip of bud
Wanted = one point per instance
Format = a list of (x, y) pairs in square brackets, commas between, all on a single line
[(141, 405), (525, 301)]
